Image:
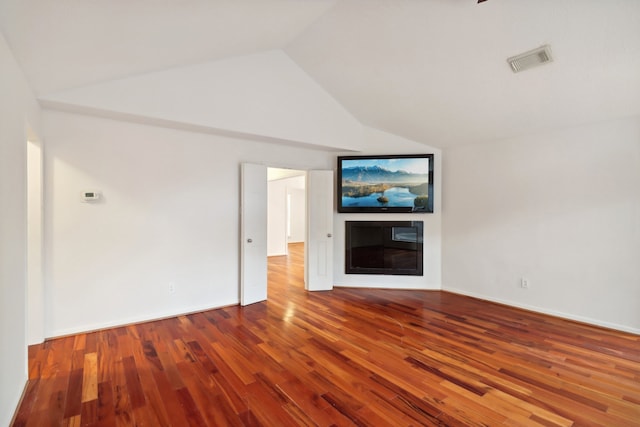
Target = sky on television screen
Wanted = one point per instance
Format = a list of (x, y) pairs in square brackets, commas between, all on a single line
[(419, 165)]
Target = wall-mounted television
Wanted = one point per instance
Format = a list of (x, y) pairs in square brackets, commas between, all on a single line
[(393, 183)]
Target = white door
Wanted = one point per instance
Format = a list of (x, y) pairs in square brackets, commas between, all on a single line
[(253, 234), (319, 247)]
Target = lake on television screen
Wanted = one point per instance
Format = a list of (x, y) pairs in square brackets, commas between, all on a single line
[(396, 196)]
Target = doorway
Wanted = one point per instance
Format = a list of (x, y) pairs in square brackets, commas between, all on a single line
[(35, 242), (318, 250), (286, 218)]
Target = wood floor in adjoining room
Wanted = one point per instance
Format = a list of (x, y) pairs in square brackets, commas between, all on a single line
[(345, 357)]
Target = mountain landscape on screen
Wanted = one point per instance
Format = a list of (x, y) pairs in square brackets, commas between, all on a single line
[(378, 174), (400, 183)]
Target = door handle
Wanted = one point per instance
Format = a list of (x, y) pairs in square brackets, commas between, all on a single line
[(249, 240)]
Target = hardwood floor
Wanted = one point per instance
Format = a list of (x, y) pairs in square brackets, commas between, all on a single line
[(345, 357)]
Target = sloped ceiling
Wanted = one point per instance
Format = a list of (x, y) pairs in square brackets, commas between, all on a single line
[(436, 71), (262, 96), (65, 44), (433, 71)]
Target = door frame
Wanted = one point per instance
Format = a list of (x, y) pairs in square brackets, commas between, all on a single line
[(307, 237)]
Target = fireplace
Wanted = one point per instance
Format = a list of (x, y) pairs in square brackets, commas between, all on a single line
[(384, 247)]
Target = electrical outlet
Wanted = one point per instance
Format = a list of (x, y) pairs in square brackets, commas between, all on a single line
[(524, 283), (172, 288)]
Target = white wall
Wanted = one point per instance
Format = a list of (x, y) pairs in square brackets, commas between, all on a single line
[(378, 142), (277, 236), (170, 213), (298, 208), (18, 112), (561, 209), (277, 218)]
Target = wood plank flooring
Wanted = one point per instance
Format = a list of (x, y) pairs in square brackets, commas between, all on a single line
[(347, 357)]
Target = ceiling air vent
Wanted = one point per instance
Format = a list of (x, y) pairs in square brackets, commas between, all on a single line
[(530, 59)]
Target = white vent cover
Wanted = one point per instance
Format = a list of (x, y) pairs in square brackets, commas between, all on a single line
[(530, 59)]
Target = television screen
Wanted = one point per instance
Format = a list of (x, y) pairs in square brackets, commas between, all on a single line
[(395, 183)]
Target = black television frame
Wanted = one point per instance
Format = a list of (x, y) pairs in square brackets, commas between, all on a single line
[(385, 209)]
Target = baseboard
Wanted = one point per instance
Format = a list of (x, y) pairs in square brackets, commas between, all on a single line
[(131, 321), (370, 285), (567, 316), (17, 404)]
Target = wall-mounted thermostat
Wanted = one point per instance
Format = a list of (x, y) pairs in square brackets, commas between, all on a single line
[(90, 196)]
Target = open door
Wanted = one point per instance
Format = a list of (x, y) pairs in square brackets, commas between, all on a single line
[(319, 247), (253, 234)]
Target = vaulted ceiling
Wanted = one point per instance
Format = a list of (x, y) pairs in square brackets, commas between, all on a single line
[(433, 71)]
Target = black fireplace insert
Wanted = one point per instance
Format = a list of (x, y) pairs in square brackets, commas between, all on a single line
[(384, 247)]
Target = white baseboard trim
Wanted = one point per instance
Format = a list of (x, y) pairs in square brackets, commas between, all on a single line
[(17, 400), (367, 283), (132, 320), (568, 316)]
